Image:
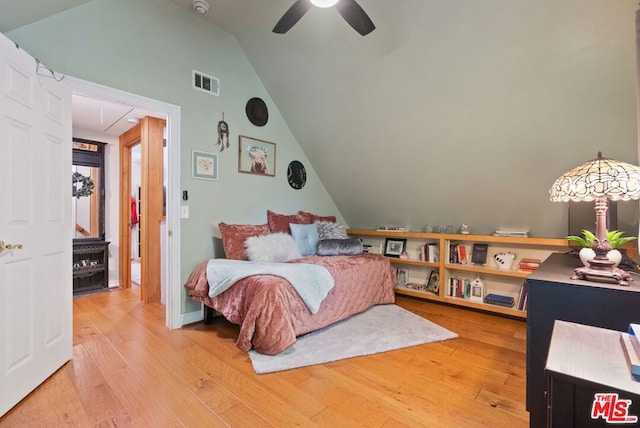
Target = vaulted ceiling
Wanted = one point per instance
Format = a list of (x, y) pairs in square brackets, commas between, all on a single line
[(449, 112), (235, 16)]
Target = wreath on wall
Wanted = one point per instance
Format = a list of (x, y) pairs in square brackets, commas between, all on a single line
[(82, 185)]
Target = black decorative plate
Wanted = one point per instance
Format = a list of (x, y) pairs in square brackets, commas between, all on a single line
[(257, 112), (296, 175)]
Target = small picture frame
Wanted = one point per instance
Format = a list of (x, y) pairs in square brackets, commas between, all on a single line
[(402, 275), (476, 293), (256, 156), (394, 247), (433, 282), (204, 166)]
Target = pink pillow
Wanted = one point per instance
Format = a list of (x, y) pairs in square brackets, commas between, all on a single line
[(234, 235), (314, 217), (280, 222)]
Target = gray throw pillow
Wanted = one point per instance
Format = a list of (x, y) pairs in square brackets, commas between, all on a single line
[(339, 247), (329, 230)]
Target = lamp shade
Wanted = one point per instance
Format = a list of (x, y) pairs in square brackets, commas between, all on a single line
[(600, 178)]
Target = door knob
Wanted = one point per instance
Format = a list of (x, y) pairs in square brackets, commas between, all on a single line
[(4, 246)]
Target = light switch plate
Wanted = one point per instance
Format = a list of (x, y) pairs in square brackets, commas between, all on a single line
[(184, 211)]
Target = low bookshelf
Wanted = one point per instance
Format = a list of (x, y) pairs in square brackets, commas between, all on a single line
[(446, 259)]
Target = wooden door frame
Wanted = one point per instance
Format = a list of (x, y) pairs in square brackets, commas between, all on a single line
[(149, 133)]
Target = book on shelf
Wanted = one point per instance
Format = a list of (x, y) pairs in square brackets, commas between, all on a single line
[(433, 253), (459, 287), (453, 253), (497, 299), (479, 253), (528, 264), (457, 254), (462, 254), (513, 233), (392, 229), (522, 298), (466, 283)]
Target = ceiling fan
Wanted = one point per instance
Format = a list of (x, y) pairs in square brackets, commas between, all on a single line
[(349, 9)]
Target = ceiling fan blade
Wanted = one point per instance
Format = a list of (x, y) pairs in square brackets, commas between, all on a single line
[(291, 16), (355, 16)]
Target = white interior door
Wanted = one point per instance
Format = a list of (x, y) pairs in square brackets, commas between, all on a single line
[(35, 211)]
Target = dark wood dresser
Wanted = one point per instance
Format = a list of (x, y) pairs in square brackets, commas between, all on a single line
[(552, 295), (586, 362)]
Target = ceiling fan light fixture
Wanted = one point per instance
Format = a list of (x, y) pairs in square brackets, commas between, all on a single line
[(324, 3), (350, 10)]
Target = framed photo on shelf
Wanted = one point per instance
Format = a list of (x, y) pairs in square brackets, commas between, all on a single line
[(477, 291), (402, 275), (256, 156), (433, 282), (204, 166), (394, 247)]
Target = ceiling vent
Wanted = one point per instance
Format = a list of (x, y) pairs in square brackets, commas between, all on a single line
[(205, 83)]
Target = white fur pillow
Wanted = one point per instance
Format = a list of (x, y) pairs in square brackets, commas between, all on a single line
[(276, 247)]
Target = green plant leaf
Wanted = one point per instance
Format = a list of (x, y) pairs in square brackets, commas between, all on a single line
[(616, 240), (579, 240), (586, 240), (589, 236)]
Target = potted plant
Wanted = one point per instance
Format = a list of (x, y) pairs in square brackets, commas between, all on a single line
[(586, 242)]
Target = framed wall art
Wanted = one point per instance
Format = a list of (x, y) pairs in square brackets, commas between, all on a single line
[(256, 156), (394, 247), (204, 166)]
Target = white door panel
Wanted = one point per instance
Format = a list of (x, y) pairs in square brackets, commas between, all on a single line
[(35, 211)]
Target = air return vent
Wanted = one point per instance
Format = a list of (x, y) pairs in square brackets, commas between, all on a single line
[(205, 83)]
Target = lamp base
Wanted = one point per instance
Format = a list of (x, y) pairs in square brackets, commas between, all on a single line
[(613, 275)]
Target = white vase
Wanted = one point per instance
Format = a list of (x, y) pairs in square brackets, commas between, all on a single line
[(587, 254), (615, 256)]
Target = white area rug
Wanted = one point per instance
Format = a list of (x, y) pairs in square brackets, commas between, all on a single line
[(378, 329)]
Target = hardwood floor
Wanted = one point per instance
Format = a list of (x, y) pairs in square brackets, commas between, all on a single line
[(129, 370)]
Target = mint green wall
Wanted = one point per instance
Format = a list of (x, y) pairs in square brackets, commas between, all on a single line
[(149, 48), (461, 111)]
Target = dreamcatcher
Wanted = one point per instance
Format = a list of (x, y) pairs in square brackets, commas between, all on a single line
[(223, 134)]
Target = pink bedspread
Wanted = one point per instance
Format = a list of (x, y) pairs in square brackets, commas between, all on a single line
[(271, 314)]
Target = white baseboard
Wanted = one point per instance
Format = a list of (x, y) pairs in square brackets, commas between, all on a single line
[(191, 317)]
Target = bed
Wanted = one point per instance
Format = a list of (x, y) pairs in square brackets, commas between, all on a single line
[(270, 312)]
